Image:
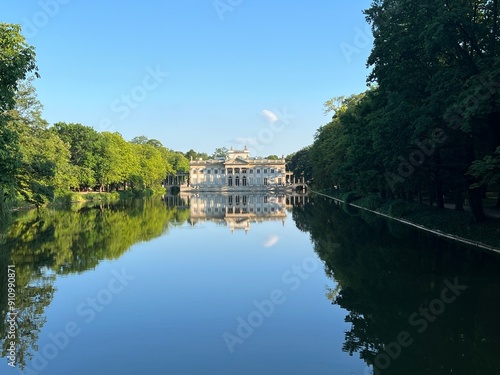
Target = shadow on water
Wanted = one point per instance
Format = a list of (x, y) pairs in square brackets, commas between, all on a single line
[(50, 242), (417, 304)]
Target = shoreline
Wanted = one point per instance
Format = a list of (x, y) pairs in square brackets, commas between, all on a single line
[(437, 232)]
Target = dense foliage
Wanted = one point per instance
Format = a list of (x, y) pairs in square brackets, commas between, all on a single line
[(430, 122), (39, 162)]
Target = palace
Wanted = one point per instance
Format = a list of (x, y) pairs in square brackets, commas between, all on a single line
[(236, 171)]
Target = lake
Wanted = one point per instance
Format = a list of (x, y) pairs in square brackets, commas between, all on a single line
[(241, 284)]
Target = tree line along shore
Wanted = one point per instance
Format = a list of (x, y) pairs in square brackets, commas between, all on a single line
[(426, 130)]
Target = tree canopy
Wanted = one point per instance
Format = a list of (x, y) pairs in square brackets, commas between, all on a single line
[(430, 123)]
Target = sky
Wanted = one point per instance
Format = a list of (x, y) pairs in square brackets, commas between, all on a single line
[(197, 74)]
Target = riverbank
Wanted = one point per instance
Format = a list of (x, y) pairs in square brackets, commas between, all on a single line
[(446, 223), (71, 198)]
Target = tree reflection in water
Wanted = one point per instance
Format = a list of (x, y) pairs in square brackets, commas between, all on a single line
[(50, 242), (385, 272)]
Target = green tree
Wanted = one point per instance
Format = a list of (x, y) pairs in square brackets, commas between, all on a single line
[(152, 167), (220, 152), (44, 168), (86, 148), (447, 56), (272, 157), (300, 163), (17, 61)]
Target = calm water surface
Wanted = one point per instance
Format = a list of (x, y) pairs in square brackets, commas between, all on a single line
[(243, 284)]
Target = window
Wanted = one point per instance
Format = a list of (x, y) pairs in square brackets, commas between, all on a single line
[(208, 171), (265, 199), (244, 180), (279, 181), (237, 181), (230, 181), (216, 171), (250, 171), (230, 171), (230, 200), (236, 170), (265, 181), (237, 200), (265, 170), (243, 170), (272, 170), (258, 170)]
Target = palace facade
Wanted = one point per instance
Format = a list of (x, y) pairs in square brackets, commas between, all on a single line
[(237, 171)]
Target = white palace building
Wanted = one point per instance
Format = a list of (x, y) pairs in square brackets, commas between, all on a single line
[(236, 171)]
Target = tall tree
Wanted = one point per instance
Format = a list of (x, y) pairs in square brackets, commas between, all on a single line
[(17, 60)]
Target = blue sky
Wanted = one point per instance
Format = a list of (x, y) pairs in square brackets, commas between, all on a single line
[(196, 74)]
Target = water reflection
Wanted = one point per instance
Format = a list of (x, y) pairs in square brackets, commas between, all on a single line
[(236, 211), (47, 243), (395, 283)]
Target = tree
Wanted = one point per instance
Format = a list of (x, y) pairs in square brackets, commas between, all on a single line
[(140, 140), (272, 157), (17, 61), (446, 53), (152, 167), (178, 162), (44, 167), (86, 148), (300, 164), (118, 162), (220, 152), (193, 155)]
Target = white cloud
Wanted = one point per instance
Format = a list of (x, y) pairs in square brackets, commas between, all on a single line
[(269, 115), (271, 241), (244, 140)]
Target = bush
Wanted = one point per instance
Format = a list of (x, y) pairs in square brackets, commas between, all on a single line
[(399, 208)]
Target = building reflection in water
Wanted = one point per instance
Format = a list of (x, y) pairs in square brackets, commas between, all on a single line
[(237, 211)]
